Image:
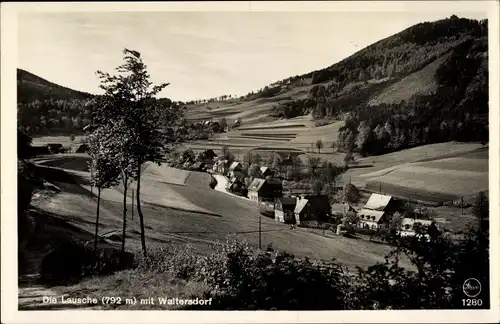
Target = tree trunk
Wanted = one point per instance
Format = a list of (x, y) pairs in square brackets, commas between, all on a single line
[(97, 218), (139, 210), (125, 182)]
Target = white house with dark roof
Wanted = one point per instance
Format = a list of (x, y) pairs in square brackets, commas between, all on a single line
[(234, 167), (377, 211), (265, 189)]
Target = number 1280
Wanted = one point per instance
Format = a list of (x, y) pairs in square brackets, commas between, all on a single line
[(472, 302)]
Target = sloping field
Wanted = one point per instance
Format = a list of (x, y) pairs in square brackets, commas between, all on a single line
[(421, 82), (164, 174), (249, 112), (434, 180), (328, 134), (154, 184), (440, 153)]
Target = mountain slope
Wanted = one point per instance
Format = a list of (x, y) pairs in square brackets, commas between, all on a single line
[(31, 87), (424, 85)]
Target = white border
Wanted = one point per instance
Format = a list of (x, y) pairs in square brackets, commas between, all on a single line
[(9, 184)]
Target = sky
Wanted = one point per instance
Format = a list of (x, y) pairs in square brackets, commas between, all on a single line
[(202, 54)]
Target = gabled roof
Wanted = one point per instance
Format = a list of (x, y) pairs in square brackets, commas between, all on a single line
[(317, 202), (289, 202), (264, 169), (301, 203), (234, 165), (374, 215), (256, 184), (377, 202)]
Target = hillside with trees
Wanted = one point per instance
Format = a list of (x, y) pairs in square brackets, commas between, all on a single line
[(46, 108), (426, 84)]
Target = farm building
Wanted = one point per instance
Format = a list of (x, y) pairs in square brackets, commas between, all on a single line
[(341, 209), (55, 147), (377, 211), (284, 210), (265, 171), (311, 208), (82, 148), (209, 154), (408, 225), (235, 184), (235, 166), (265, 189)]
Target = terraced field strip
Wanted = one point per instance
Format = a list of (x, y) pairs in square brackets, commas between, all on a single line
[(270, 135), (272, 126)]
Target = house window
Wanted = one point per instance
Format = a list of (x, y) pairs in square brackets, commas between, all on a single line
[(362, 216)]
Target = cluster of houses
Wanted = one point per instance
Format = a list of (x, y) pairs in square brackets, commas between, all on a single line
[(375, 214), (301, 208)]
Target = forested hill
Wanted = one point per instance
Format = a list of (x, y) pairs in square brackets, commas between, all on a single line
[(426, 84), (44, 107), (31, 87)]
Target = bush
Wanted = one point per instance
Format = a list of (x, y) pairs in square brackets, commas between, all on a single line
[(279, 281), (71, 261)]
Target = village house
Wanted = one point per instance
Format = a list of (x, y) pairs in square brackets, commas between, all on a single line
[(265, 189), (284, 210), (311, 208), (83, 148), (221, 166), (408, 225), (209, 154), (55, 147), (377, 211), (234, 167), (236, 184)]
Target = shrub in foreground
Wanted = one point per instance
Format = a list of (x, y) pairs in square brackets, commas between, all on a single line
[(70, 261)]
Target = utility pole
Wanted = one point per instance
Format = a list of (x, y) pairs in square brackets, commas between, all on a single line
[(132, 203), (260, 230)]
